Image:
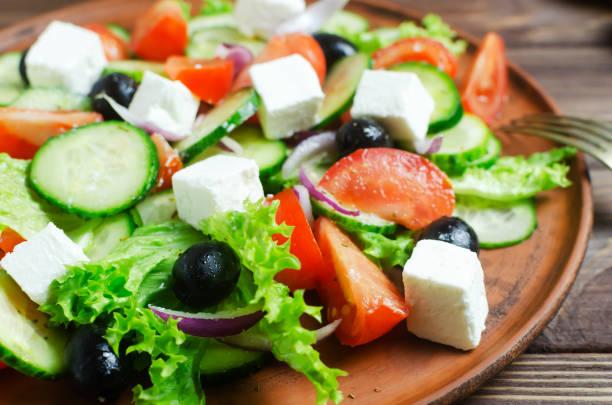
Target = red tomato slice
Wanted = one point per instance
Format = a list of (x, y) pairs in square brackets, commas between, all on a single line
[(210, 80), (486, 87), (16, 147), (114, 47), (160, 32), (169, 163), (356, 291), (303, 244), (8, 240), (396, 185), (285, 45), (416, 49), (36, 126), (2, 365)]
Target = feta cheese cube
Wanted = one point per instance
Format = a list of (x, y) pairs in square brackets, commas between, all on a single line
[(291, 95), (262, 17), (35, 263), (167, 104), (444, 284), (398, 100), (67, 56), (218, 184)]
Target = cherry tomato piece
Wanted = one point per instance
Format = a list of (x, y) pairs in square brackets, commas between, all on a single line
[(169, 163), (114, 47), (16, 147), (210, 80), (8, 240)]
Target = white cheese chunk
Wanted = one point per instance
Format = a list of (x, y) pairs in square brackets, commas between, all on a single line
[(67, 56), (167, 104), (217, 184), (444, 284), (398, 100), (35, 263), (262, 17), (291, 95)]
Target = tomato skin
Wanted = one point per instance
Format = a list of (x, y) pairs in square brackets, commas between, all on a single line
[(8, 240), (416, 49), (169, 163), (303, 244), (285, 45), (210, 80), (356, 290), (2, 365), (486, 86), (114, 47), (396, 185), (160, 32), (16, 147)]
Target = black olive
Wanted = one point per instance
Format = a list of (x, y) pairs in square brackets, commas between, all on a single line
[(205, 274), (95, 371), (117, 86), (360, 133), (334, 47), (452, 230), (22, 68)]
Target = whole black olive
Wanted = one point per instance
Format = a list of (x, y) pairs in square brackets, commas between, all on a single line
[(205, 274), (361, 133), (452, 230), (95, 370), (334, 47), (22, 68), (117, 86)]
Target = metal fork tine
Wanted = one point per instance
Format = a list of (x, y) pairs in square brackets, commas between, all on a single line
[(577, 134), (569, 118), (577, 143), (599, 129)]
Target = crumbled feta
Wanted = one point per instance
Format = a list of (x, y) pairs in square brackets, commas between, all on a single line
[(444, 284), (218, 184), (262, 17), (35, 263), (291, 95)]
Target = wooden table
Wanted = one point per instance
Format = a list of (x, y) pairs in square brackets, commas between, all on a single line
[(567, 46)]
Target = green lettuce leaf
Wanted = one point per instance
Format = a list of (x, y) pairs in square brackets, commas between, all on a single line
[(250, 233), (514, 178), (210, 7), (386, 252)]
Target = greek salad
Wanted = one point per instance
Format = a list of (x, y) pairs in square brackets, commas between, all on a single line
[(169, 193)]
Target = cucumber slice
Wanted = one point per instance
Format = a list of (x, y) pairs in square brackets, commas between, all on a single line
[(346, 23), (27, 344), (9, 69), (222, 363), (97, 169), (84, 234), (232, 112), (108, 234), (134, 68), (340, 87), (203, 43), (121, 32), (363, 222), (156, 208), (201, 22), (268, 154), (8, 93), (466, 142), (448, 110), (50, 98), (493, 150), (498, 225)]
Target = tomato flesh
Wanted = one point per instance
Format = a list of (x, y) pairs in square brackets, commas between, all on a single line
[(356, 290), (16, 147), (303, 244), (114, 47), (160, 32), (169, 163), (486, 87), (416, 49), (396, 185), (8, 240), (210, 80)]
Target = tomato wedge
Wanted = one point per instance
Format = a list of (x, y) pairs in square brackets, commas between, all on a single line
[(416, 49), (16, 147), (285, 45), (486, 87), (210, 80), (160, 32), (36, 126), (356, 290), (114, 47), (396, 185), (169, 163), (303, 244)]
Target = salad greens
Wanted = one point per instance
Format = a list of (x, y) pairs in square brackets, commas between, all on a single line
[(210, 7), (386, 252)]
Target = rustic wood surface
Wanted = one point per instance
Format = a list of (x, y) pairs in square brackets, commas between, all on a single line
[(567, 46)]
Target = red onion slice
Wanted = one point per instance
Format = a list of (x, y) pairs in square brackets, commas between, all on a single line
[(319, 195), (241, 56), (313, 18), (300, 136), (230, 145), (304, 198), (306, 150), (223, 323), (428, 145)]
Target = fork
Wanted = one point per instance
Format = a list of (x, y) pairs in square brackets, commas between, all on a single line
[(590, 136)]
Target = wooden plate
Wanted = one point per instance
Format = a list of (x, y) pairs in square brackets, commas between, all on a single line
[(526, 284)]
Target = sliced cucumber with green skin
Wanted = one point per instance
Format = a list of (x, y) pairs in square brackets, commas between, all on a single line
[(134, 68), (9, 68), (201, 22), (121, 32), (466, 142), (493, 150), (27, 344), (232, 112), (223, 363), (268, 154), (156, 208), (345, 22), (340, 87), (84, 234), (108, 234), (203, 43), (97, 169), (9, 93), (51, 98), (448, 110), (362, 222), (498, 225)]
